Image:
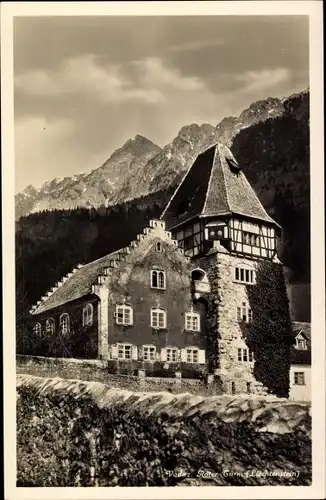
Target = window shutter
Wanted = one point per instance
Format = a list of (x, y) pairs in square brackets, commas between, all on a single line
[(134, 352), (163, 354), (183, 355), (201, 356), (114, 351)]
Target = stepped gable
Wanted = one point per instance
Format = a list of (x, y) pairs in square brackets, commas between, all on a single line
[(214, 186), (83, 278)]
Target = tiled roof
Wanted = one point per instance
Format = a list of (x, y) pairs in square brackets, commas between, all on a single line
[(77, 285), (214, 185)]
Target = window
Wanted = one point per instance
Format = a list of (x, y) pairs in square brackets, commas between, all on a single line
[(149, 353), (64, 323), (299, 378), (37, 329), (50, 326), (192, 321), (301, 343), (158, 279), (248, 387), (245, 355), (172, 354), (124, 351), (88, 315), (124, 314), (158, 317), (159, 247), (192, 355), (244, 313), (250, 239), (245, 275)]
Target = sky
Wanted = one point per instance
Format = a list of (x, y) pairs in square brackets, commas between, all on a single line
[(84, 85)]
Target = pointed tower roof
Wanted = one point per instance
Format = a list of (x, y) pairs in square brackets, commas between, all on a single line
[(214, 186)]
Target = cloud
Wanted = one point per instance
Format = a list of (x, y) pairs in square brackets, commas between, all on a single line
[(256, 81), (147, 80), (197, 45)]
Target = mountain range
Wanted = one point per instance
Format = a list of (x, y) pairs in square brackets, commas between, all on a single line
[(270, 140), (140, 167)]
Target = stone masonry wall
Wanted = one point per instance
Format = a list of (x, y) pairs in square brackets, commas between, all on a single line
[(97, 371), (235, 375)]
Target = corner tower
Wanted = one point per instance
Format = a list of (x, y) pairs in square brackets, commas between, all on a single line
[(217, 218)]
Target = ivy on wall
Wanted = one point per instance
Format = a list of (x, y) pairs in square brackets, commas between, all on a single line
[(78, 343), (270, 333)]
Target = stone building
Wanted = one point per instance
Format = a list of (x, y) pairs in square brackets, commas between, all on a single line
[(174, 300)]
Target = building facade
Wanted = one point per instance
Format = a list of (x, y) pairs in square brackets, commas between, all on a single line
[(300, 372), (176, 299)]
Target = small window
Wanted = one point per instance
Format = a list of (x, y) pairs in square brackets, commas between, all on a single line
[(250, 239), (149, 353), (245, 355), (172, 354), (158, 317), (64, 323), (192, 321), (50, 326), (248, 387), (244, 312), (301, 344), (124, 314), (244, 275), (158, 279), (299, 378), (159, 247), (88, 315), (124, 351), (192, 355), (233, 387), (37, 329)]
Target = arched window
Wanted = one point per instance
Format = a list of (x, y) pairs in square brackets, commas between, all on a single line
[(50, 326), (192, 321), (244, 312), (88, 315), (159, 247), (158, 317), (37, 329), (158, 279), (124, 314), (199, 275), (64, 323)]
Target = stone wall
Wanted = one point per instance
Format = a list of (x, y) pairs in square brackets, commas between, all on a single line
[(97, 371), (73, 433)]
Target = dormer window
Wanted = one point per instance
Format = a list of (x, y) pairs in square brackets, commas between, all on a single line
[(301, 343), (245, 275), (124, 314), (158, 280), (192, 321)]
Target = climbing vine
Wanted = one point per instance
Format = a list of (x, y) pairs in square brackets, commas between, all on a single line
[(270, 333)]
